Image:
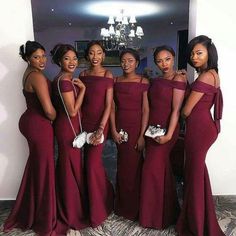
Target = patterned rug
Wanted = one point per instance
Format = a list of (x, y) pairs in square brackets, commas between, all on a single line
[(118, 226)]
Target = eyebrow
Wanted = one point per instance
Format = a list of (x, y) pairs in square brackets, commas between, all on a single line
[(158, 59)]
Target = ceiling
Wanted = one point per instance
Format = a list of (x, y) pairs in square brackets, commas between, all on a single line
[(72, 13)]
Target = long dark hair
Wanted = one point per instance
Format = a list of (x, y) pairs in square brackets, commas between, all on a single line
[(212, 62), (27, 49)]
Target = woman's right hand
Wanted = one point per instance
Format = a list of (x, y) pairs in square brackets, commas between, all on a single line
[(78, 83), (117, 137)]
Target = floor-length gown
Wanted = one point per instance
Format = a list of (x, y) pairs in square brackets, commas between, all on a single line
[(71, 196), (128, 97), (99, 188), (198, 216), (35, 206), (159, 203)]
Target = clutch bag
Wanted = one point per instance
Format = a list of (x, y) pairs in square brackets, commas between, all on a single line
[(155, 131)]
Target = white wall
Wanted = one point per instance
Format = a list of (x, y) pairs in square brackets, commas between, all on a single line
[(15, 28), (217, 20)]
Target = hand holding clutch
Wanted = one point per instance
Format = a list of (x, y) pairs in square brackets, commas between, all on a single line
[(155, 131)]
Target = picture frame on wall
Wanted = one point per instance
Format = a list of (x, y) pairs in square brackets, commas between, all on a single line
[(111, 60), (80, 46)]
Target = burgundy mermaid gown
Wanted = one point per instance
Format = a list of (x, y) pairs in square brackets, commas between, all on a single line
[(71, 197), (159, 203), (128, 97), (198, 216), (35, 206), (100, 190)]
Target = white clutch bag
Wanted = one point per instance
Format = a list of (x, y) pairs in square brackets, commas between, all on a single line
[(155, 131), (79, 140), (89, 135)]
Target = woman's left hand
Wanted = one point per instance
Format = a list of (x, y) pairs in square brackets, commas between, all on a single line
[(162, 139), (140, 143), (79, 83), (95, 138)]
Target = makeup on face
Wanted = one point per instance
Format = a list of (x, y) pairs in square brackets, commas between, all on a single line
[(38, 59), (128, 62), (165, 61), (96, 55), (199, 56), (69, 61)]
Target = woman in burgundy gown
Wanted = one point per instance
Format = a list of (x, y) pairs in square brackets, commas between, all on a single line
[(96, 109), (35, 206), (159, 203), (198, 216), (130, 112), (69, 93)]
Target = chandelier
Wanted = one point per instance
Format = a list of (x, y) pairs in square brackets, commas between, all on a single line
[(122, 33)]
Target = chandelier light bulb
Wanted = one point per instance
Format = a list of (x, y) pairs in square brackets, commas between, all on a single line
[(111, 20), (111, 30), (125, 20), (122, 32), (132, 34), (132, 20), (139, 31)]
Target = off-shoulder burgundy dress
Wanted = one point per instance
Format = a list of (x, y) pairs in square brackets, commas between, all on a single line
[(198, 216), (99, 188), (128, 97), (35, 206), (71, 195), (159, 203)]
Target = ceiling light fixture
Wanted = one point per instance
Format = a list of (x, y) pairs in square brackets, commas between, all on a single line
[(122, 32)]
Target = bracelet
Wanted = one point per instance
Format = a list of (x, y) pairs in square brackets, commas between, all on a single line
[(101, 127)]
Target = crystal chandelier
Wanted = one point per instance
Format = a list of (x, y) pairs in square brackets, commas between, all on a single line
[(122, 33)]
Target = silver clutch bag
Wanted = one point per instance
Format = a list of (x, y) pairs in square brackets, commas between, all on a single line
[(124, 136), (79, 140), (155, 131)]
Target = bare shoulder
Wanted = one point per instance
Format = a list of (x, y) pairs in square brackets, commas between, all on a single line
[(109, 74), (145, 80), (182, 77), (37, 76), (209, 77)]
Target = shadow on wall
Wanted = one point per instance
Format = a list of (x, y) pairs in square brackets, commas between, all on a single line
[(13, 146)]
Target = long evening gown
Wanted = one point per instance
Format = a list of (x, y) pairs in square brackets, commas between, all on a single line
[(198, 216), (100, 190), (128, 97), (159, 203), (35, 206), (71, 196)]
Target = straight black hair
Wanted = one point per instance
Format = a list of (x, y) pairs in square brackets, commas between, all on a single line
[(212, 62)]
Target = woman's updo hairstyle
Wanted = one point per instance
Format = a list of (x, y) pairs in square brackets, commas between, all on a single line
[(59, 51), (27, 49)]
